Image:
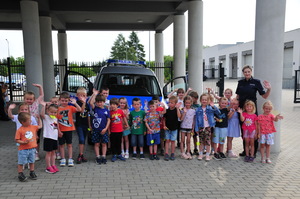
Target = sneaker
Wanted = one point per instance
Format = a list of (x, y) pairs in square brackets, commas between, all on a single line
[(156, 157), (251, 159), (50, 170), (70, 162), (151, 157), (162, 152), (32, 175), (184, 156), (114, 158), (126, 155), (104, 161), (55, 168), (242, 154), (263, 161), (120, 157), (268, 161), (142, 156), (222, 155), (246, 159), (37, 158), (217, 156), (207, 158), (62, 162), (190, 157), (98, 160), (22, 177), (83, 159), (200, 157), (134, 156), (232, 155), (123, 154), (172, 156), (196, 152), (79, 159), (166, 158), (58, 157)]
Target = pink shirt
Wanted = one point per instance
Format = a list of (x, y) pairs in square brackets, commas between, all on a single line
[(249, 122), (266, 123)]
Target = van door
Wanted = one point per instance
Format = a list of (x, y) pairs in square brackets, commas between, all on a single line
[(73, 80), (173, 84)]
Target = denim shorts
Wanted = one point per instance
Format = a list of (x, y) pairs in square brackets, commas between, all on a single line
[(81, 132), (219, 135), (171, 135), (26, 156), (155, 137), (137, 140)]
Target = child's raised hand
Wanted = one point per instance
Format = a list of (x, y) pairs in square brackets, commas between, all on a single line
[(240, 110), (208, 90), (72, 100), (178, 105), (82, 98), (96, 92), (37, 85), (43, 103), (279, 117), (12, 106)]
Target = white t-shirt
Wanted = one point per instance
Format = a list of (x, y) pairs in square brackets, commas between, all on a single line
[(50, 128), (33, 121)]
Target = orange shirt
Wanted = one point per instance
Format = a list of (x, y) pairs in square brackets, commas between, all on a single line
[(65, 118), (27, 133)]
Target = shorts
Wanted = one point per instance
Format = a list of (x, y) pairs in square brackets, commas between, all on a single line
[(126, 132), (26, 156), (186, 130), (248, 134), (97, 137), (267, 139), (66, 138), (137, 140), (50, 144), (162, 134), (155, 138), (219, 135), (171, 135), (81, 132), (204, 136)]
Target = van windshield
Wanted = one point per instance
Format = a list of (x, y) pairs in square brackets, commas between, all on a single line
[(131, 85)]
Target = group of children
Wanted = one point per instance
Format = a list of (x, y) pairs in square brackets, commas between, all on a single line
[(111, 122)]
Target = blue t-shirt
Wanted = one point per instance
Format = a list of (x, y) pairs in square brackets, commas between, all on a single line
[(99, 118)]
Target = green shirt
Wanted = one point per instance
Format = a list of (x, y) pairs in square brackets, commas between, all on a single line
[(136, 121)]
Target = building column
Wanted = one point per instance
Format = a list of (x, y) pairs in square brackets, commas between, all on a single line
[(32, 45), (47, 56), (159, 57), (62, 54), (195, 45), (179, 46), (268, 53)]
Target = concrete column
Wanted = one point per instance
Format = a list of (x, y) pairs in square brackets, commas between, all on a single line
[(47, 57), (179, 46), (195, 43), (268, 53), (159, 56), (62, 54), (32, 45)]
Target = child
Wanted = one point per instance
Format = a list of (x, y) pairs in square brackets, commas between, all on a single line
[(54, 100), (227, 94), (50, 134), (21, 108), (26, 136), (171, 124), (66, 126), (187, 127), (29, 99), (126, 132), (233, 126), (203, 123), (82, 123), (249, 126), (195, 105), (152, 122), (105, 92), (138, 128), (117, 119), (220, 131), (100, 124), (266, 130)]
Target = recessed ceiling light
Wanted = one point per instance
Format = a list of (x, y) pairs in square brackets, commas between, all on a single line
[(140, 21), (88, 20)]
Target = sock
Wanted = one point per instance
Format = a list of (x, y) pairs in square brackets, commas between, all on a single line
[(98, 156), (141, 152), (207, 154), (134, 152), (103, 156), (127, 151), (122, 151), (201, 153), (229, 151)]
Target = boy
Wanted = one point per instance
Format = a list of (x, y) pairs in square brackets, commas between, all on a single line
[(117, 119), (138, 129), (195, 105), (105, 92), (100, 123), (82, 124), (152, 122), (66, 126), (26, 136), (171, 125)]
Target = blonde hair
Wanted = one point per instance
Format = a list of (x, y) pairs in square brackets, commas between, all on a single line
[(268, 103), (251, 103), (173, 98), (229, 89), (81, 90), (126, 105)]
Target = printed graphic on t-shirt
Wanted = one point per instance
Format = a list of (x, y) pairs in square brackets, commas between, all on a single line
[(54, 125), (136, 121), (97, 120), (28, 135), (116, 118), (65, 119), (248, 122)]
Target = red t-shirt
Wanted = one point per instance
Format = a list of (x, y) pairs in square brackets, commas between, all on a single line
[(65, 118), (27, 133), (116, 122), (266, 123)]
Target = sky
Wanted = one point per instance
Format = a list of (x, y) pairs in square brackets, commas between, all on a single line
[(224, 22)]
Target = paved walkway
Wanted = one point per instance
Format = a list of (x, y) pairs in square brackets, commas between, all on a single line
[(230, 178)]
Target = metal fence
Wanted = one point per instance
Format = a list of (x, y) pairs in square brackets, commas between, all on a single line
[(297, 87)]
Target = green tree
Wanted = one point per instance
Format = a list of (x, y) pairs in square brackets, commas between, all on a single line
[(119, 49), (168, 61), (136, 50)]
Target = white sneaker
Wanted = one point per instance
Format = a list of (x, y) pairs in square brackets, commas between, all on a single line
[(126, 155), (37, 158), (58, 157), (71, 162), (62, 162)]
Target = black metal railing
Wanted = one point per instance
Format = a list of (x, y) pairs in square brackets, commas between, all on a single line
[(297, 87)]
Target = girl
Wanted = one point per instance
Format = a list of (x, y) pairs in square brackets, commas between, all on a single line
[(203, 123), (249, 119), (227, 93), (126, 132), (50, 136), (233, 126), (266, 130), (187, 127)]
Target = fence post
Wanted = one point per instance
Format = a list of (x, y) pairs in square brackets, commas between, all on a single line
[(10, 80), (220, 83)]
